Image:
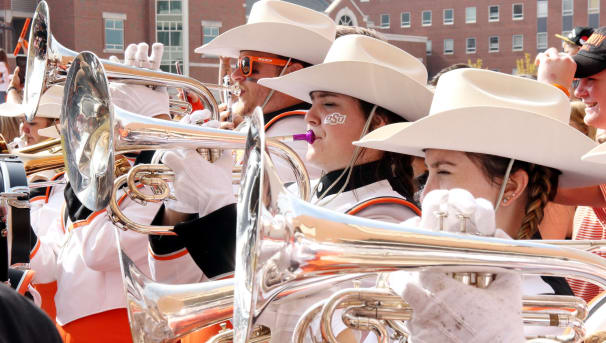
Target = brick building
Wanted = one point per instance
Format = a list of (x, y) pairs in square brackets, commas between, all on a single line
[(107, 26), (496, 31)]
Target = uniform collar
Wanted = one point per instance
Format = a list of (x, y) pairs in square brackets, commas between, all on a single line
[(300, 106), (361, 175)]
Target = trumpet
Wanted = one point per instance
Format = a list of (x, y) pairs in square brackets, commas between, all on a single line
[(282, 241), (48, 60), (93, 130)]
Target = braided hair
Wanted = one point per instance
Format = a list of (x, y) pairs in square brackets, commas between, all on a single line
[(542, 187)]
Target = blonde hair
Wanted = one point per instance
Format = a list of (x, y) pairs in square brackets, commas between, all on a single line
[(577, 114), (9, 127)]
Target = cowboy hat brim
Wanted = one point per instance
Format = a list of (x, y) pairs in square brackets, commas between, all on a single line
[(50, 110), (276, 38), (367, 81), (509, 133), (50, 132), (596, 155)]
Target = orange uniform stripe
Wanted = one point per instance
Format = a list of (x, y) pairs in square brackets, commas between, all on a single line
[(168, 257), (48, 189), (35, 250), (27, 279), (384, 200), (283, 115)]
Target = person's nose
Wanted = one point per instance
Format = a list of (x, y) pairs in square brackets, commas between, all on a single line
[(312, 117), (582, 90)]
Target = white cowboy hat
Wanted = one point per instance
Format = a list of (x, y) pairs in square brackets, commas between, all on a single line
[(597, 154), (49, 107), (277, 27), (492, 113), (365, 68)]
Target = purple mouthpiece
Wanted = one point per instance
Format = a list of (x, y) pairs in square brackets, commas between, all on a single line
[(308, 136)]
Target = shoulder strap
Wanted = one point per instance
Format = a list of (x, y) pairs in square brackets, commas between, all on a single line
[(282, 116), (383, 200)]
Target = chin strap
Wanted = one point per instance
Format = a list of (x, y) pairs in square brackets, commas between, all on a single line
[(273, 90), (502, 190)]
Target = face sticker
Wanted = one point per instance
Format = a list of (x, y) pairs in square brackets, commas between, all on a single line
[(335, 119)]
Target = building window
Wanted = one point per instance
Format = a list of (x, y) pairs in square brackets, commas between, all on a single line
[(542, 9), (426, 18), (428, 48), (345, 20), (405, 21), (449, 16), (567, 7), (518, 12), (209, 32), (169, 31), (593, 6), (471, 46), (541, 40), (493, 13), (384, 21), (114, 34), (448, 46), (493, 44), (470, 15), (517, 43)]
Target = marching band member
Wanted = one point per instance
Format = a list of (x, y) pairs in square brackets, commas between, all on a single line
[(90, 295), (279, 38), (475, 113), (364, 182)]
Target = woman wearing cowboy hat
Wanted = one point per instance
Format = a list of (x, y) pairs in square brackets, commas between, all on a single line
[(502, 138)]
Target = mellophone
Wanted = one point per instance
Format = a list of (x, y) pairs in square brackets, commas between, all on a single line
[(285, 245)]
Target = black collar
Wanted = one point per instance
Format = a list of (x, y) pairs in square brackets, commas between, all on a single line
[(302, 106), (361, 175)]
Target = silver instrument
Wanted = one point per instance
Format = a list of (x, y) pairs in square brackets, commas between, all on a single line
[(48, 62), (93, 130)]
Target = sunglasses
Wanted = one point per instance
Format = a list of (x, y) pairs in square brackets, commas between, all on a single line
[(245, 63)]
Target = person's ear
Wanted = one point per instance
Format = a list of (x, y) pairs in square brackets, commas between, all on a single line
[(293, 66), (377, 121), (516, 184)]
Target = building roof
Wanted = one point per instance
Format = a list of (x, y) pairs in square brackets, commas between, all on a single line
[(318, 5)]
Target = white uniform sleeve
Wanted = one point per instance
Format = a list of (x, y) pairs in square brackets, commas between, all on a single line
[(176, 268), (99, 248)]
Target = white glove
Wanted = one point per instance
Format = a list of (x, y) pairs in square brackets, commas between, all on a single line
[(446, 310), (457, 207), (135, 55), (198, 117), (200, 186)]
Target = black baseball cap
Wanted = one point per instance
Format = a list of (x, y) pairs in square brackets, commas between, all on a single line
[(591, 59), (578, 36)]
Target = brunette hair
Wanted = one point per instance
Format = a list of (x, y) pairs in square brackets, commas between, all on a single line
[(3, 57), (9, 127), (397, 168), (577, 115), (542, 186)]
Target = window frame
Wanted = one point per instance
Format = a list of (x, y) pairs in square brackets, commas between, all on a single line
[(513, 12), (114, 17), (546, 4), (402, 19), (385, 15), (444, 50), (490, 44), (475, 47), (444, 16), (513, 47), (543, 34), (475, 15), (423, 19), (569, 12), (490, 19), (591, 10)]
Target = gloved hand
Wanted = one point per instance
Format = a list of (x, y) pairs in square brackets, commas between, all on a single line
[(446, 310), (200, 186), (198, 118), (448, 210), (135, 55)]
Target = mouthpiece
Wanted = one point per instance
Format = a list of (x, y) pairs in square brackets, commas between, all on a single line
[(308, 136)]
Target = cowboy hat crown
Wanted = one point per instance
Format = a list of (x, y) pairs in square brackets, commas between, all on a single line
[(278, 27), (367, 69)]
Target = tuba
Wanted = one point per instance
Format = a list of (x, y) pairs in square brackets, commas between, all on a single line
[(93, 130), (283, 241), (48, 61)]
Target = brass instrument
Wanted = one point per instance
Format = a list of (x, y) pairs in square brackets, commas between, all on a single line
[(93, 130), (282, 241), (48, 61)]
